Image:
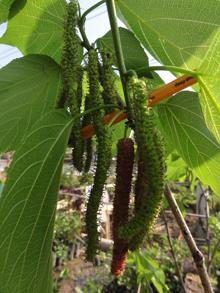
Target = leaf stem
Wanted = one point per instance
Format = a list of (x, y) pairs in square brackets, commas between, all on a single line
[(81, 24), (83, 17), (173, 69), (118, 48), (85, 42)]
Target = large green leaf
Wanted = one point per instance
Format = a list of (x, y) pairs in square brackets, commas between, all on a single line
[(175, 32), (28, 205), (36, 27), (134, 56), (29, 88), (184, 126), (4, 9), (186, 34), (210, 86)]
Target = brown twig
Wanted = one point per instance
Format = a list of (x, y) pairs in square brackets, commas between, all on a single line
[(173, 253), (196, 253)]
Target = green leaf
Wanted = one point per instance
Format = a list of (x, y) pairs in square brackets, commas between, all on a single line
[(209, 81), (28, 205), (37, 27), (184, 126), (157, 284), (4, 9), (175, 32), (176, 168), (29, 88), (134, 56)]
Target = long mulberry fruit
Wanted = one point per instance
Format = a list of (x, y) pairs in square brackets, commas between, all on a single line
[(124, 168), (151, 156), (71, 70), (104, 138)]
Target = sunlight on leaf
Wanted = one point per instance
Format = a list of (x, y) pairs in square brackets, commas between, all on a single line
[(37, 27), (184, 126)]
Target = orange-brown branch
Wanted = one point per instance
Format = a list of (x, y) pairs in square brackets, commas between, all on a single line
[(154, 98)]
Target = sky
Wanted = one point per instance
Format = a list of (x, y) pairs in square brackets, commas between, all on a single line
[(97, 25)]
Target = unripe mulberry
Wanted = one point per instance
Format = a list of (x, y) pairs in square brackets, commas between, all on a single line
[(104, 139), (71, 69), (108, 79), (124, 168), (88, 143)]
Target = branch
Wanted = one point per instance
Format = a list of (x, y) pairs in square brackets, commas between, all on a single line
[(118, 48), (196, 253)]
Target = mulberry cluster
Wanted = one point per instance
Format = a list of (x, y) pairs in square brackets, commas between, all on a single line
[(128, 231)]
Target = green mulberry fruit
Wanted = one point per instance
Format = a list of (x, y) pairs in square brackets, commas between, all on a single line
[(88, 143), (108, 79), (104, 139), (71, 70)]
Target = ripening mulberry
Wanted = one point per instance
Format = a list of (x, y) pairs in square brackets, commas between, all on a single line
[(150, 150), (124, 168)]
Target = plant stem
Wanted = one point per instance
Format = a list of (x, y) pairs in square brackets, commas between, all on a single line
[(118, 48), (196, 253), (173, 253), (173, 69), (85, 42), (83, 17)]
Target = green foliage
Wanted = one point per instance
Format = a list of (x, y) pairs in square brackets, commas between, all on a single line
[(36, 27), (176, 34), (209, 82), (176, 168), (184, 127), (28, 205), (134, 55), (4, 9), (67, 226), (66, 232), (30, 88), (147, 271)]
